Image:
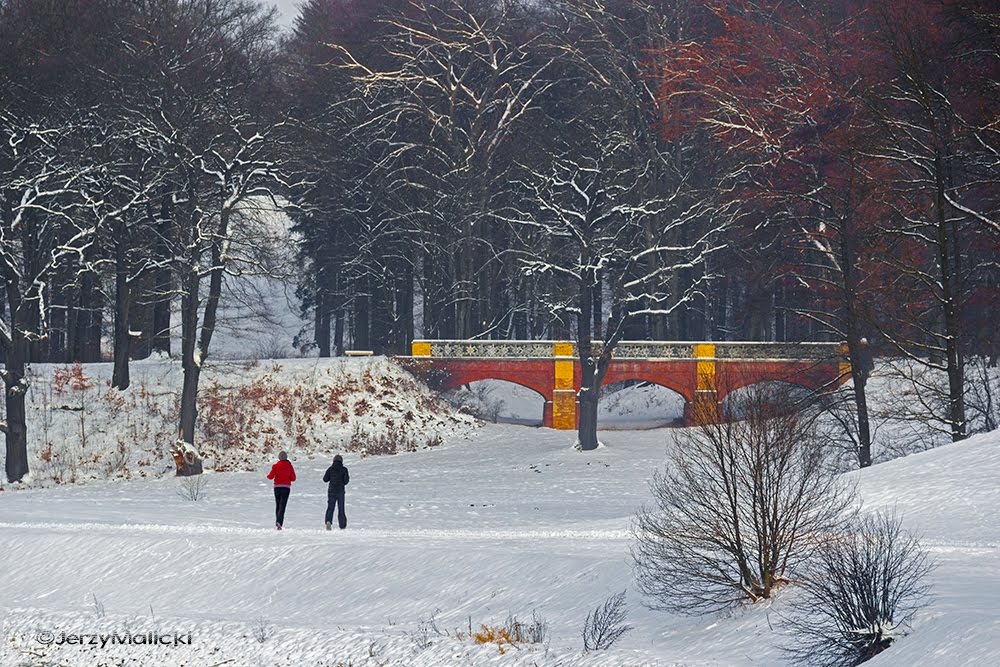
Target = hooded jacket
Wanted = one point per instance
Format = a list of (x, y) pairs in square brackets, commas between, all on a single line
[(337, 476)]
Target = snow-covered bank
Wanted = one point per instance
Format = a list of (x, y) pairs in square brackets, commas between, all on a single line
[(510, 521), (82, 430)]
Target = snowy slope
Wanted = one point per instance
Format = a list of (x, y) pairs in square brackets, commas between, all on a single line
[(81, 430), (510, 521), (950, 496)]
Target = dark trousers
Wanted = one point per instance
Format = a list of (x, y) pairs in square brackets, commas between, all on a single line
[(336, 500), (280, 501)]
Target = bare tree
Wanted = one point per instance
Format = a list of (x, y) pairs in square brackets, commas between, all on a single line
[(738, 505), (606, 624), (590, 234), (456, 87), (47, 223), (935, 140), (860, 591), (607, 218), (208, 99)]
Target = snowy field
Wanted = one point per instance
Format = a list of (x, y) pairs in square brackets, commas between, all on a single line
[(509, 521)]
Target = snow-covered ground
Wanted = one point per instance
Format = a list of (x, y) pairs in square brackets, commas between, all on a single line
[(506, 521)]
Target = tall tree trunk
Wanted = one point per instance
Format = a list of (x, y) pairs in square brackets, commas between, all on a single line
[(92, 305), (72, 352), (15, 388), (656, 325), (403, 325), (860, 379), (381, 318), (123, 301), (189, 404), (322, 321), (141, 317), (57, 327), (598, 306), (195, 347), (338, 332), (162, 282), (195, 353), (587, 406), (465, 290), (191, 367), (590, 381), (952, 314), (429, 295), (858, 350), (362, 315)]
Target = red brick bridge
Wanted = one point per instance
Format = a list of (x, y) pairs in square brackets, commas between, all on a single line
[(703, 373)]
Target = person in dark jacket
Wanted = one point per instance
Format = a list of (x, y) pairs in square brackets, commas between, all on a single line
[(338, 478), (283, 475)]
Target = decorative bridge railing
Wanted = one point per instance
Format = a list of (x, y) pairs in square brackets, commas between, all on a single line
[(703, 373)]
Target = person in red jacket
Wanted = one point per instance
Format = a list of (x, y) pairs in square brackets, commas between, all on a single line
[(283, 475)]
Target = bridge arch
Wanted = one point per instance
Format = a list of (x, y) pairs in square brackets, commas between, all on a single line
[(676, 385), (527, 378), (500, 401), (782, 391), (660, 404), (811, 378)]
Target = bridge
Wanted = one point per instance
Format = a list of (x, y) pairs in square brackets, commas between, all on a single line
[(703, 373)]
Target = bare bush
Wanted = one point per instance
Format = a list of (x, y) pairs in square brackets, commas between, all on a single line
[(513, 631), (838, 422), (606, 624), (477, 400), (532, 632), (737, 505), (193, 488), (982, 394), (425, 630), (916, 405), (859, 593), (392, 440), (261, 629)]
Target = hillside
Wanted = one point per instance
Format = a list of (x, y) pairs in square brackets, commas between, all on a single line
[(80, 429)]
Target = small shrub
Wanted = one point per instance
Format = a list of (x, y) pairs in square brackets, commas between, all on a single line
[(476, 400), (513, 632), (390, 441), (426, 628), (493, 635), (859, 593), (114, 401), (71, 378), (193, 488), (261, 629), (116, 461), (606, 624)]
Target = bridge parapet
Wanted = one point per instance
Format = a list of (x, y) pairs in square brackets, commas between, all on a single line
[(546, 349)]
